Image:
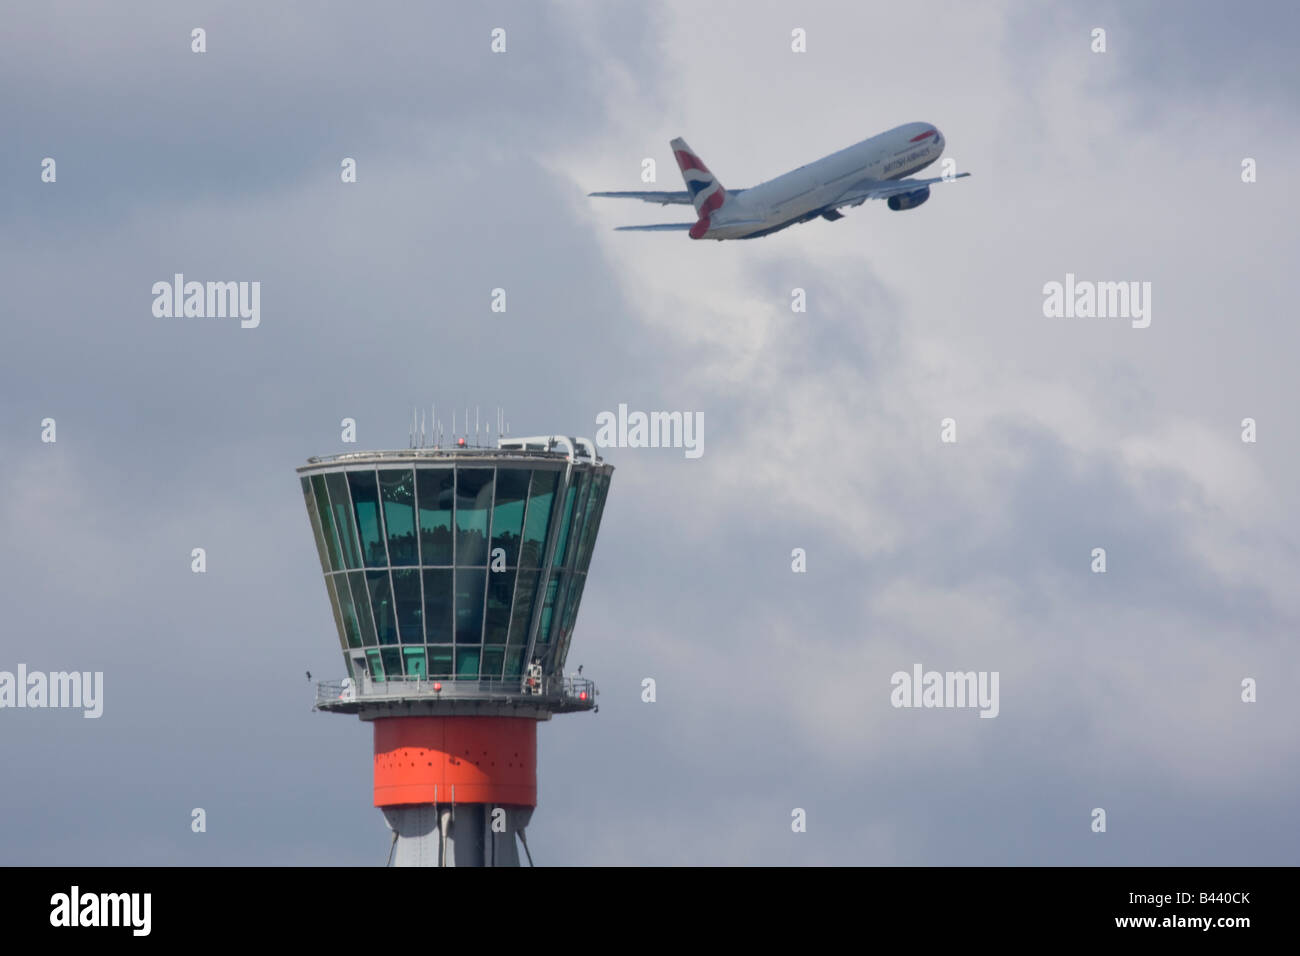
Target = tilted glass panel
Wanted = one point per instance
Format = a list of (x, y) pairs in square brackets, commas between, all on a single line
[(344, 613), (397, 489), (436, 496), (365, 502), (501, 589), (515, 661), (537, 525), (508, 511), (590, 527), (566, 557), (437, 606), (563, 581), (344, 594), (321, 551), (548, 611), (566, 522), (566, 548), (440, 660), (406, 597), (361, 600), (326, 522), (341, 509), (522, 615), (375, 664), (574, 584), (473, 505), (565, 634), (381, 602), (470, 585)]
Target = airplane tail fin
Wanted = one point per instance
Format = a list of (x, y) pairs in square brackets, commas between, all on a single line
[(706, 192)]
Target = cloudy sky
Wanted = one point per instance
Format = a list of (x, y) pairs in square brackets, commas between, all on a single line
[(1119, 691)]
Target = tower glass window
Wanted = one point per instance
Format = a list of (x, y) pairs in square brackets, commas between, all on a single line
[(565, 521), (439, 657), (321, 550), (526, 586), (345, 619), (493, 660), (392, 661), (397, 489), (341, 509), (473, 508), (455, 565), (471, 584), (467, 662), (407, 600), (339, 584), (500, 595), (414, 661), (326, 522), (537, 524), (437, 606), (572, 600), (591, 524), (548, 611), (508, 512), (370, 529), (381, 603), (361, 600), (434, 487)]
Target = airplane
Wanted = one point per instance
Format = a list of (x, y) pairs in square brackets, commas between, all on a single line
[(872, 169)]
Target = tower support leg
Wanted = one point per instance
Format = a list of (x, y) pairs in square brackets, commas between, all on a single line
[(470, 834)]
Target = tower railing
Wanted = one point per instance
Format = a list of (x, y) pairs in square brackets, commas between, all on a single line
[(570, 692)]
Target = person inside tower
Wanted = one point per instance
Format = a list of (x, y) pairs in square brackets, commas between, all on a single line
[(534, 679)]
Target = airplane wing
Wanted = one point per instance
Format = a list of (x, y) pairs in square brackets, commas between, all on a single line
[(660, 227), (860, 192)]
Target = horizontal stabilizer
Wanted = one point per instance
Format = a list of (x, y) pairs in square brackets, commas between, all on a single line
[(662, 197), (660, 227)]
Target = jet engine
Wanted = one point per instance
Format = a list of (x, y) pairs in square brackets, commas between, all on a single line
[(909, 200)]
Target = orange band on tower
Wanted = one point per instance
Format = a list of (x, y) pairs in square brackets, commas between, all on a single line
[(486, 760)]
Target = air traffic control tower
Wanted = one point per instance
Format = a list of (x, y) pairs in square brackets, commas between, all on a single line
[(455, 576)]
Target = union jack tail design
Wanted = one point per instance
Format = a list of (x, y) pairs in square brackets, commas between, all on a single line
[(706, 192)]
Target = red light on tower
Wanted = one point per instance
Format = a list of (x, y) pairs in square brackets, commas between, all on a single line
[(460, 442), (582, 696), (438, 686)]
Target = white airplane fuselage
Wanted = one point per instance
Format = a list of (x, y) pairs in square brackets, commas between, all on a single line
[(808, 191)]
